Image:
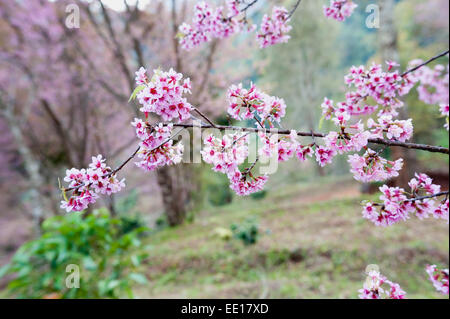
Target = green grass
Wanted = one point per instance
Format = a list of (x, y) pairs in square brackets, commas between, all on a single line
[(314, 245)]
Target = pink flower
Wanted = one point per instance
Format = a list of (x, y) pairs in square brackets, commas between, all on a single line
[(439, 278), (372, 168), (398, 130), (246, 104), (163, 95), (444, 108), (374, 288), (397, 204), (391, 65), (141, 76), (210, 24), (434, 83), (244, 184), (225, 154), (339, 9), (324, 155), (158, 149), (86, 184), (274, 29)]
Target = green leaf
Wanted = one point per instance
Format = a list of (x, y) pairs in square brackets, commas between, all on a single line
[(89, 263), (136, 92), (321, 122), (4, 270), (140, 279)]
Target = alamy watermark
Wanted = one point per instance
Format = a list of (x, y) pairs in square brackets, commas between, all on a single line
[(373, 19), (73, 16), (73, 277)]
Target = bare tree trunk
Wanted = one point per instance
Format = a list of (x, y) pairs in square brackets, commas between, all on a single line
[(174, 193), (388, 49), (172, 179), (31, 165)]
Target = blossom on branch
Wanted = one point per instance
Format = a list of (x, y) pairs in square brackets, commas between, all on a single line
[(225, 154), (251, 103), (86, 184), (439, 278), (375, 288), (157, 148), (371, 167), (398, 204), (339, 9), (164, 94), (209, 24), (274, 29)]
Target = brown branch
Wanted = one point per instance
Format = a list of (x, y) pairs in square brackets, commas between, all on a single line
[(423, 147), (420, 198), (293, 9), (425, 63)]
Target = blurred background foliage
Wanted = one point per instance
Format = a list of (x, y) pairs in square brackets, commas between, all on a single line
[(318, 244)]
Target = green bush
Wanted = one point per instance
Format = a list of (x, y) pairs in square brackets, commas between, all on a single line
[(105, 249), (247, 232), (259, 195)]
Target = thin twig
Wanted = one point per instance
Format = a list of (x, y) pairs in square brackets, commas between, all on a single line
[(415, 199), (293, 9), (425, 63), (205, 117)]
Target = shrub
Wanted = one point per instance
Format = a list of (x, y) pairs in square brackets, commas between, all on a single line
[(105, 253), (247, 232)]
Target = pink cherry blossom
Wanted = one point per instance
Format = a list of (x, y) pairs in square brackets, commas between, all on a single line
[(211, 24), (246, 104), (163, 95), (324, 155), (157, 147), (433, 83), (398, 130), (225, 154), (444, 108), (141, 76), (244, 184), (373, 168), (397, 204), (339, 9), (86, 184), (439, 278), (274, 29), (375, 288)]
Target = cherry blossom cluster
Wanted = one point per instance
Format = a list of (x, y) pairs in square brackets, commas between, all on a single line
[(209, 24), (371, 167), (398, 130), (246, 104), (245, 183), (378, 286), (439, 278), (433, 87), (164, 94), (274, 29), (339, 9), (86, 184), (274, 145), (398, 204), (226, 154), (384, 88), (157, 148), (434, 83)]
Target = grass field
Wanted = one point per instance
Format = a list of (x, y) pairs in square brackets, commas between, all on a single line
[(315, 244)]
